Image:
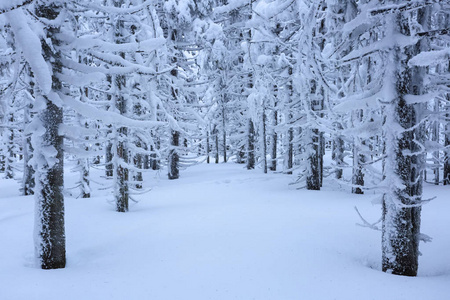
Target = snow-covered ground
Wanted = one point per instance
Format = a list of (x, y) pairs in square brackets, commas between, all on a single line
[(220, 232)]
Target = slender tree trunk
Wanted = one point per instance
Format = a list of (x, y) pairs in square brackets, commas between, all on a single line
[(121, 168), (290, 152), (264, 141), (83, 163), (216, 144), (251, 145), (447, 144), (109, 168), (273, 165), (313, 175), (289, 121), (224, 134), (207, 147), (358, 175), (338, 153), (28, 182), (174, 172), (436, 161), (9, 169)]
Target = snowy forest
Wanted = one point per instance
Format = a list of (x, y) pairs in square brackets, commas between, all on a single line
[(118, 103)]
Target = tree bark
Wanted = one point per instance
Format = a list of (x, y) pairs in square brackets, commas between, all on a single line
[(50, 241), (174, 172), (251, 146), (402, 203)]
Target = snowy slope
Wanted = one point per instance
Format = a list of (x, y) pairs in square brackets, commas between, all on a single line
[(220, 232)]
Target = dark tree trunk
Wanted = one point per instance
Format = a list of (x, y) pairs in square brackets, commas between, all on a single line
[(313, 177), (121, 169), (447, 146), (154, 160), (273, 165), (109, 168), (402, 205), (138, 162), (358, 175), (9, 170), (338, 156), (290, 152), (224, 135), (240, 159), (216, 144), (207, 147), (251, 145), (49, 222), (174, 172)]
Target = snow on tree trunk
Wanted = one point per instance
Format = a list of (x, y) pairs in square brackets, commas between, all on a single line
[(264, 141), (435, 138), (174, 172), (250, 145), (207, 147), (9, 168), (405, 159), (273, 156), (224, 134), (28, 182), (119, 82), (447, 143), (44, 57)]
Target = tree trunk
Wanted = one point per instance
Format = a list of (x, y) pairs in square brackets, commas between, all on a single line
[(402, 203), (28, 182), (447, 145), (313, 174), (251, 146), (109, 168), (207, 147), (50, 241), (435, 154), (337, 154), (9, 169), (216, 144), (264, 142), (224, 135), (119, 81), (273, 165), (358, 175), (174, 172)]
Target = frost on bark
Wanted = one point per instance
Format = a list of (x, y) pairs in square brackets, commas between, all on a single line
[(121, 170), (119, 81), (9, 169), (405, 159), (174, 172), (224, 134), (264, 141), (337, 154), (48, 144), (358, 160), (207, 147), (274, 141), (251, 145), (28, 182), (447, 145)]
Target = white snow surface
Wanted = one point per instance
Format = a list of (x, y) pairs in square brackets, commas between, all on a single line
[(219, 232)]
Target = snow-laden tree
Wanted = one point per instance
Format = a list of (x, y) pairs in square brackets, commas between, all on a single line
[(36, 33), (395, 25)]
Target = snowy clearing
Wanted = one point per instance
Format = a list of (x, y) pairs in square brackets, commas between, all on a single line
[(220, 232)]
